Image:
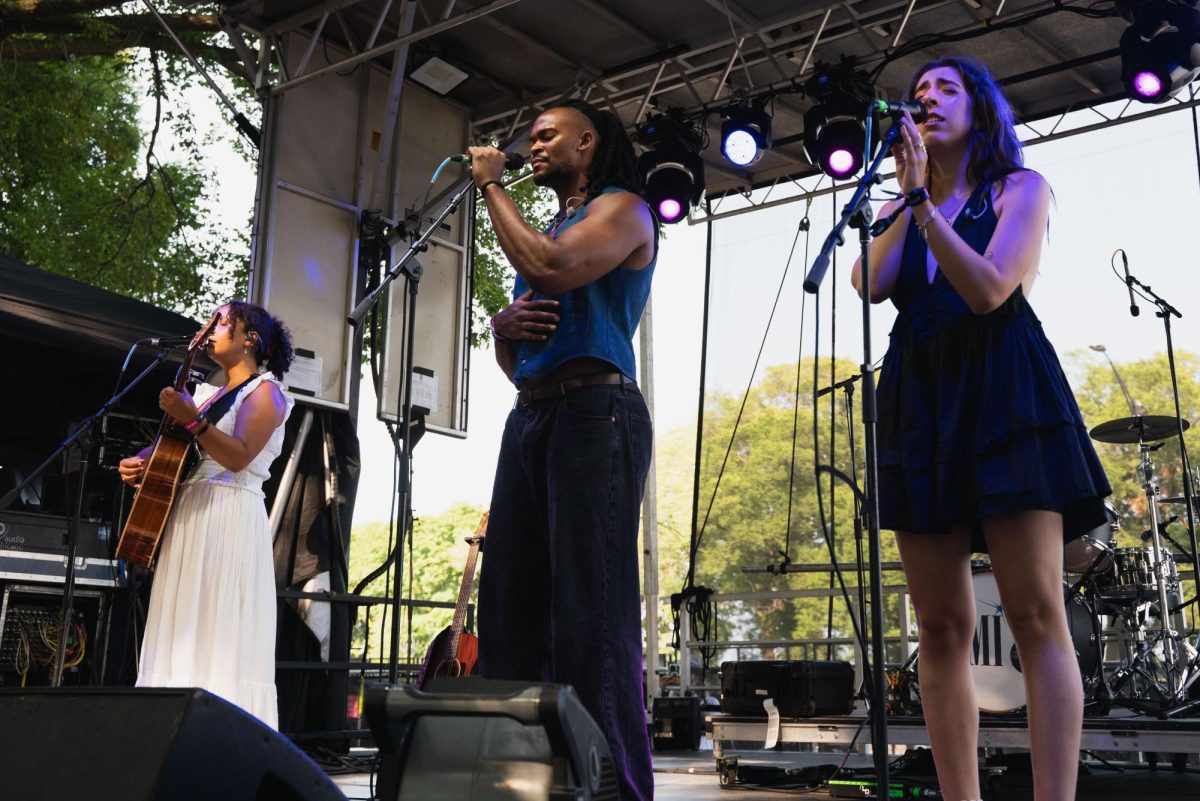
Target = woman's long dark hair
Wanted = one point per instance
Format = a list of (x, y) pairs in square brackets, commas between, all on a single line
[(615, 163), (993, 149), (273, 346)]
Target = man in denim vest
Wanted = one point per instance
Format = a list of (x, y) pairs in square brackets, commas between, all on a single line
[(558, 595)]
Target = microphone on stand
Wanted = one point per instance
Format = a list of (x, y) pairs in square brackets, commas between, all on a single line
[(1148, 533), (168, 342), (915, 108), (1133, 307), (512, 161)]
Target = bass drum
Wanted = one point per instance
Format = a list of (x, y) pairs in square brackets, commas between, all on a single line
[(1079, 554), (995, 666)]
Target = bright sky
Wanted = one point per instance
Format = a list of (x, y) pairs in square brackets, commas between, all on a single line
[(1133, 186)]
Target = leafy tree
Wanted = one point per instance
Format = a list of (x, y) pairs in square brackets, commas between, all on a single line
[(749, 522), (83, 194), (1149, 381)]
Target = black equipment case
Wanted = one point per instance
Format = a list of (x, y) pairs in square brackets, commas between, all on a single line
[(799, 688)]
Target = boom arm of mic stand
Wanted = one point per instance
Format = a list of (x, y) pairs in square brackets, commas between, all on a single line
[(364, 306), (816, 274)]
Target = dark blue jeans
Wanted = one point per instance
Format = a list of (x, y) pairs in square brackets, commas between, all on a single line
[(559, 598)]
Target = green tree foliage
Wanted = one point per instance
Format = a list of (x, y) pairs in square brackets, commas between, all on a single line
[(493, 278), (1149, 381), (83, 193), (749, 523), (439, 553)]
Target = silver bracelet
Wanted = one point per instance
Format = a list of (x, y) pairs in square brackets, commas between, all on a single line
[(921, 226)]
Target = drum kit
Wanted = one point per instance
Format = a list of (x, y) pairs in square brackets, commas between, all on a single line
[(1136, 590)]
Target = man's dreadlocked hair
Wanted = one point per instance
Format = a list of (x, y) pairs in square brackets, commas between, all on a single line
[(615, 163)]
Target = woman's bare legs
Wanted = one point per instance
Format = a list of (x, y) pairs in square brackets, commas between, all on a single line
[(1026, 554), (938, 572)]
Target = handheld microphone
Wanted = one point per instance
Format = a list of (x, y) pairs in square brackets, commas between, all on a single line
[(915, 108), (1133, 307), (512, 161), (169, 342)]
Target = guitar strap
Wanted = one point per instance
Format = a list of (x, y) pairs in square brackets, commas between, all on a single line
[(218, 408)]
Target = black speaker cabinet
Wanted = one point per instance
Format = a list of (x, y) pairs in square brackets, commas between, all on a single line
[(675, 723), (482, 740), (147, 744)]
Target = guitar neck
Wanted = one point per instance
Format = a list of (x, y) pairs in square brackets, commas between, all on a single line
[(464, 590)]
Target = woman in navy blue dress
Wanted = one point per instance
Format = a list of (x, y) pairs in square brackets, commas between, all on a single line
[(981, 444)]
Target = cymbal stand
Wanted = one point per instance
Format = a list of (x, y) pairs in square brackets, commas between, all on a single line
[(1170, 675)]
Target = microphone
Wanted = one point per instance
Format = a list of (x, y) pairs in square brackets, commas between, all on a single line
[(1133, 307), (914, 107), (1148, 533), (168, 342), (512, 161)]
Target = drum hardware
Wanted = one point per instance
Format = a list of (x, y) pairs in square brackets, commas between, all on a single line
[(1162, 665)]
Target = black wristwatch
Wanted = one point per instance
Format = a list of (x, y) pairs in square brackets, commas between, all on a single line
[(916, 197)]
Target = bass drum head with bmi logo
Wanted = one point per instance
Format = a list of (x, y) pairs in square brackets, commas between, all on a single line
[(995, 665)]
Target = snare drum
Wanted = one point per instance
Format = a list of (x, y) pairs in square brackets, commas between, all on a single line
[(995, 666), (1135, 578), (1079, 554)]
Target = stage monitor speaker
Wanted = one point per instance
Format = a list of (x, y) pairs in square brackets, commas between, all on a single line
[(482, 740), (147, 745)]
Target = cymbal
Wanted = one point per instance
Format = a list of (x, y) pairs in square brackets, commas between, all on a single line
[(1132, 430)]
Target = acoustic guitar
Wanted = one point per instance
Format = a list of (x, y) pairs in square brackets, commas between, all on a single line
[(454, 651), (160, 480)]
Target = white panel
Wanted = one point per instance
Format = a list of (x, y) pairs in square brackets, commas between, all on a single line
[(313, 242), (437, 346)]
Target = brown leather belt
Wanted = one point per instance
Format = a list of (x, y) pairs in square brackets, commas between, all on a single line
[(560, 388)]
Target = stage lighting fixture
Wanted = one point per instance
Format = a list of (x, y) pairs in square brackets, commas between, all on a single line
[(834, 134), (834, 128), (1160, 51), (745, 134), (671, 168)]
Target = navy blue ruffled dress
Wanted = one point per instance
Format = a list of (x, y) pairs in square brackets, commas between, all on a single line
[(976, 418)]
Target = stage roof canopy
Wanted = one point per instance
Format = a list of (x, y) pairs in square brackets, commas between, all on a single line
[(640, 58)]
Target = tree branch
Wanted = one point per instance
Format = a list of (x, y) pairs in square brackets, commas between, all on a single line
[(123, 23), (16, 9), (69, 48)]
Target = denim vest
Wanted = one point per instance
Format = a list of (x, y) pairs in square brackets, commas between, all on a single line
[(596, 320)]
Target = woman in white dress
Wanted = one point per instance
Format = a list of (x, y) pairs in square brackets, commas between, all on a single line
[(211, 622)]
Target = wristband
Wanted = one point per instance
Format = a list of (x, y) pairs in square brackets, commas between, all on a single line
[(496, 335), (486, 184), (917, 196), (203, 426)]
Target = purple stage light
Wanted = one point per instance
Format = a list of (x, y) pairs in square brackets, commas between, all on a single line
[(1147, 84), (841, 162), (669, 210)]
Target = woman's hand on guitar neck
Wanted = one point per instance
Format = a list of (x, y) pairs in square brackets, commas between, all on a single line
[(179, 405)]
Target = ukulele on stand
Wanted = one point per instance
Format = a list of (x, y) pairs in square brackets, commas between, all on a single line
[(454, 651), (160, 479)]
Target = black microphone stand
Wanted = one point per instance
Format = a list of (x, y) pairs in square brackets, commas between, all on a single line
[(857, 214), (408, 266), (83, 436)]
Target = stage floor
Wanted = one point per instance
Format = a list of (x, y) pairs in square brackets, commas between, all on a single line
[(692, 776)]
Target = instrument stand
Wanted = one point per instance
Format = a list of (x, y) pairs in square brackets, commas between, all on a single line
[(857, 214), (83, 439), (1170, 675), (411, 425), (1190, 672)]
